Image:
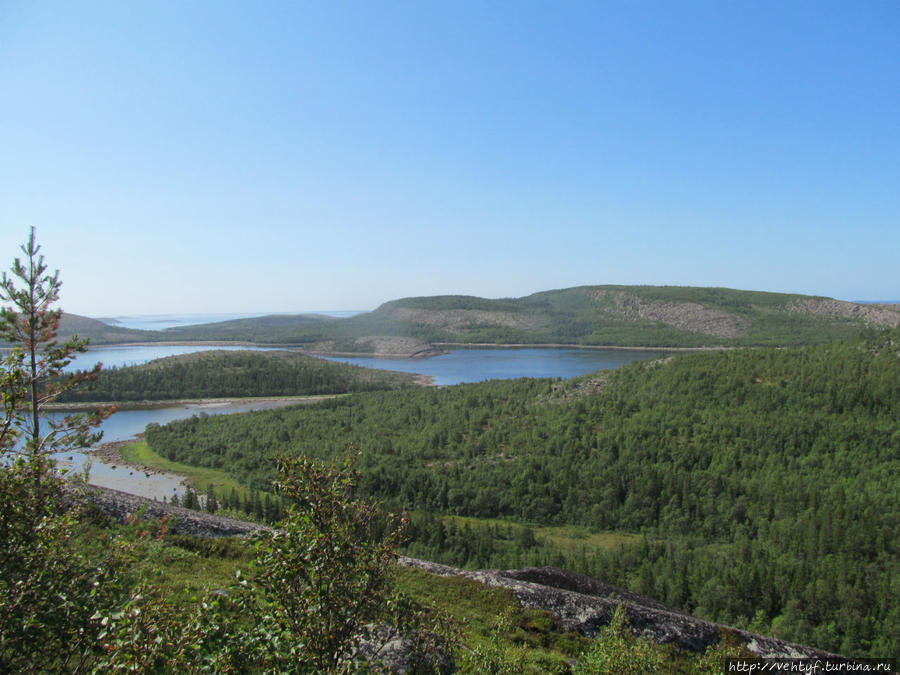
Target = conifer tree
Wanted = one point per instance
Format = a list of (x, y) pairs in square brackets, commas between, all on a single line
[(48, 590), (38, 361), (212, 504)]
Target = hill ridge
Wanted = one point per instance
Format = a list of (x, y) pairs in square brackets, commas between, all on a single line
[(595, 316)]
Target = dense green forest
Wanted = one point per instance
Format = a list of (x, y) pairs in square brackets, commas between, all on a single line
[(764, 481), (221, 373), (271, 329)]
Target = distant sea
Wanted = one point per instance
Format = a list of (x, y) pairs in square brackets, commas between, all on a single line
[(163, 321)]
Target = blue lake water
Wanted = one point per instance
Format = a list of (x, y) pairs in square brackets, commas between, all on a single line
[(123, 426), (132, 355), (477, 365)]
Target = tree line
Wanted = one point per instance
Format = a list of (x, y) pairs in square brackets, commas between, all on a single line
[(764, 480), (232, 374)]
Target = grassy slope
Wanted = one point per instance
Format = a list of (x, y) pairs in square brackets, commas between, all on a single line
[(489, 624), (200, 477)]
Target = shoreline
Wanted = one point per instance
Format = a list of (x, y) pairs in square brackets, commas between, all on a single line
[(551, 345), (441, 347), (413, 356), (110, 453), (284, 401)]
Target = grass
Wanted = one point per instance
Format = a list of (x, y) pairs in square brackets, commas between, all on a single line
[(564, 538), (492, 631), (485, 619), (187, 567), (572, 538), (200, 477), (475, 611)]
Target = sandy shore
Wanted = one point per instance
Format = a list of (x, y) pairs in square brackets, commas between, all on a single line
[(110, 453), (272, 401), (443, 346), (493, 345)]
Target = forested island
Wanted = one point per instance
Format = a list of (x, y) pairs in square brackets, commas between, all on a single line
[(760, 483), (234, 374)]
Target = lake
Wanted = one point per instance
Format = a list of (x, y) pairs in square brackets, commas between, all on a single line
[(455, 367), (477, 365), (123, 426), (131, 355)]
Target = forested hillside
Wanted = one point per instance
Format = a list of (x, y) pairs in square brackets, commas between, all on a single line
[(234, 374), (655, 316), (647, 316), (273, 328), (637, 315), (100, 333), (764, 481)]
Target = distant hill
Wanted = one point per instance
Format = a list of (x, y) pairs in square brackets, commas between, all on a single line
[(646, 316), (266, 329), (622, 316), (100, 333), (640, 316), (272, 328)]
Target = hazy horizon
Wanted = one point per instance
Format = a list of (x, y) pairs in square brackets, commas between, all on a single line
[(233, 158)]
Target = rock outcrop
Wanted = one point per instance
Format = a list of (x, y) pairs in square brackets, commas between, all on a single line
[(377, 345), (583, 604), (688, 316), (459, 320), (578, 602), (122, 506), (874, 315)]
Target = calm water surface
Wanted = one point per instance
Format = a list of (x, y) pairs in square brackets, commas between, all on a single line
[(476, 365), (123, 426), (132, 355)]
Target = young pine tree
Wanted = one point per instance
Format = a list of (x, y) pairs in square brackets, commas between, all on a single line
[(49, 591), (38, 361)]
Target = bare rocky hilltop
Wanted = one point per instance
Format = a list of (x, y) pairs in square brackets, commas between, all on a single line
[(585, 605), (585, 316)]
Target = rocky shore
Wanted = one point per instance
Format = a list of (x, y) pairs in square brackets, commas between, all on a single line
[(263, 401), (110, 453)]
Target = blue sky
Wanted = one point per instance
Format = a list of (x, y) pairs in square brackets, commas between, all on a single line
[(286, 156)]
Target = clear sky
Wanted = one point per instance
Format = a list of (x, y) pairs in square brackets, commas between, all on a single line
[(215, 156)]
